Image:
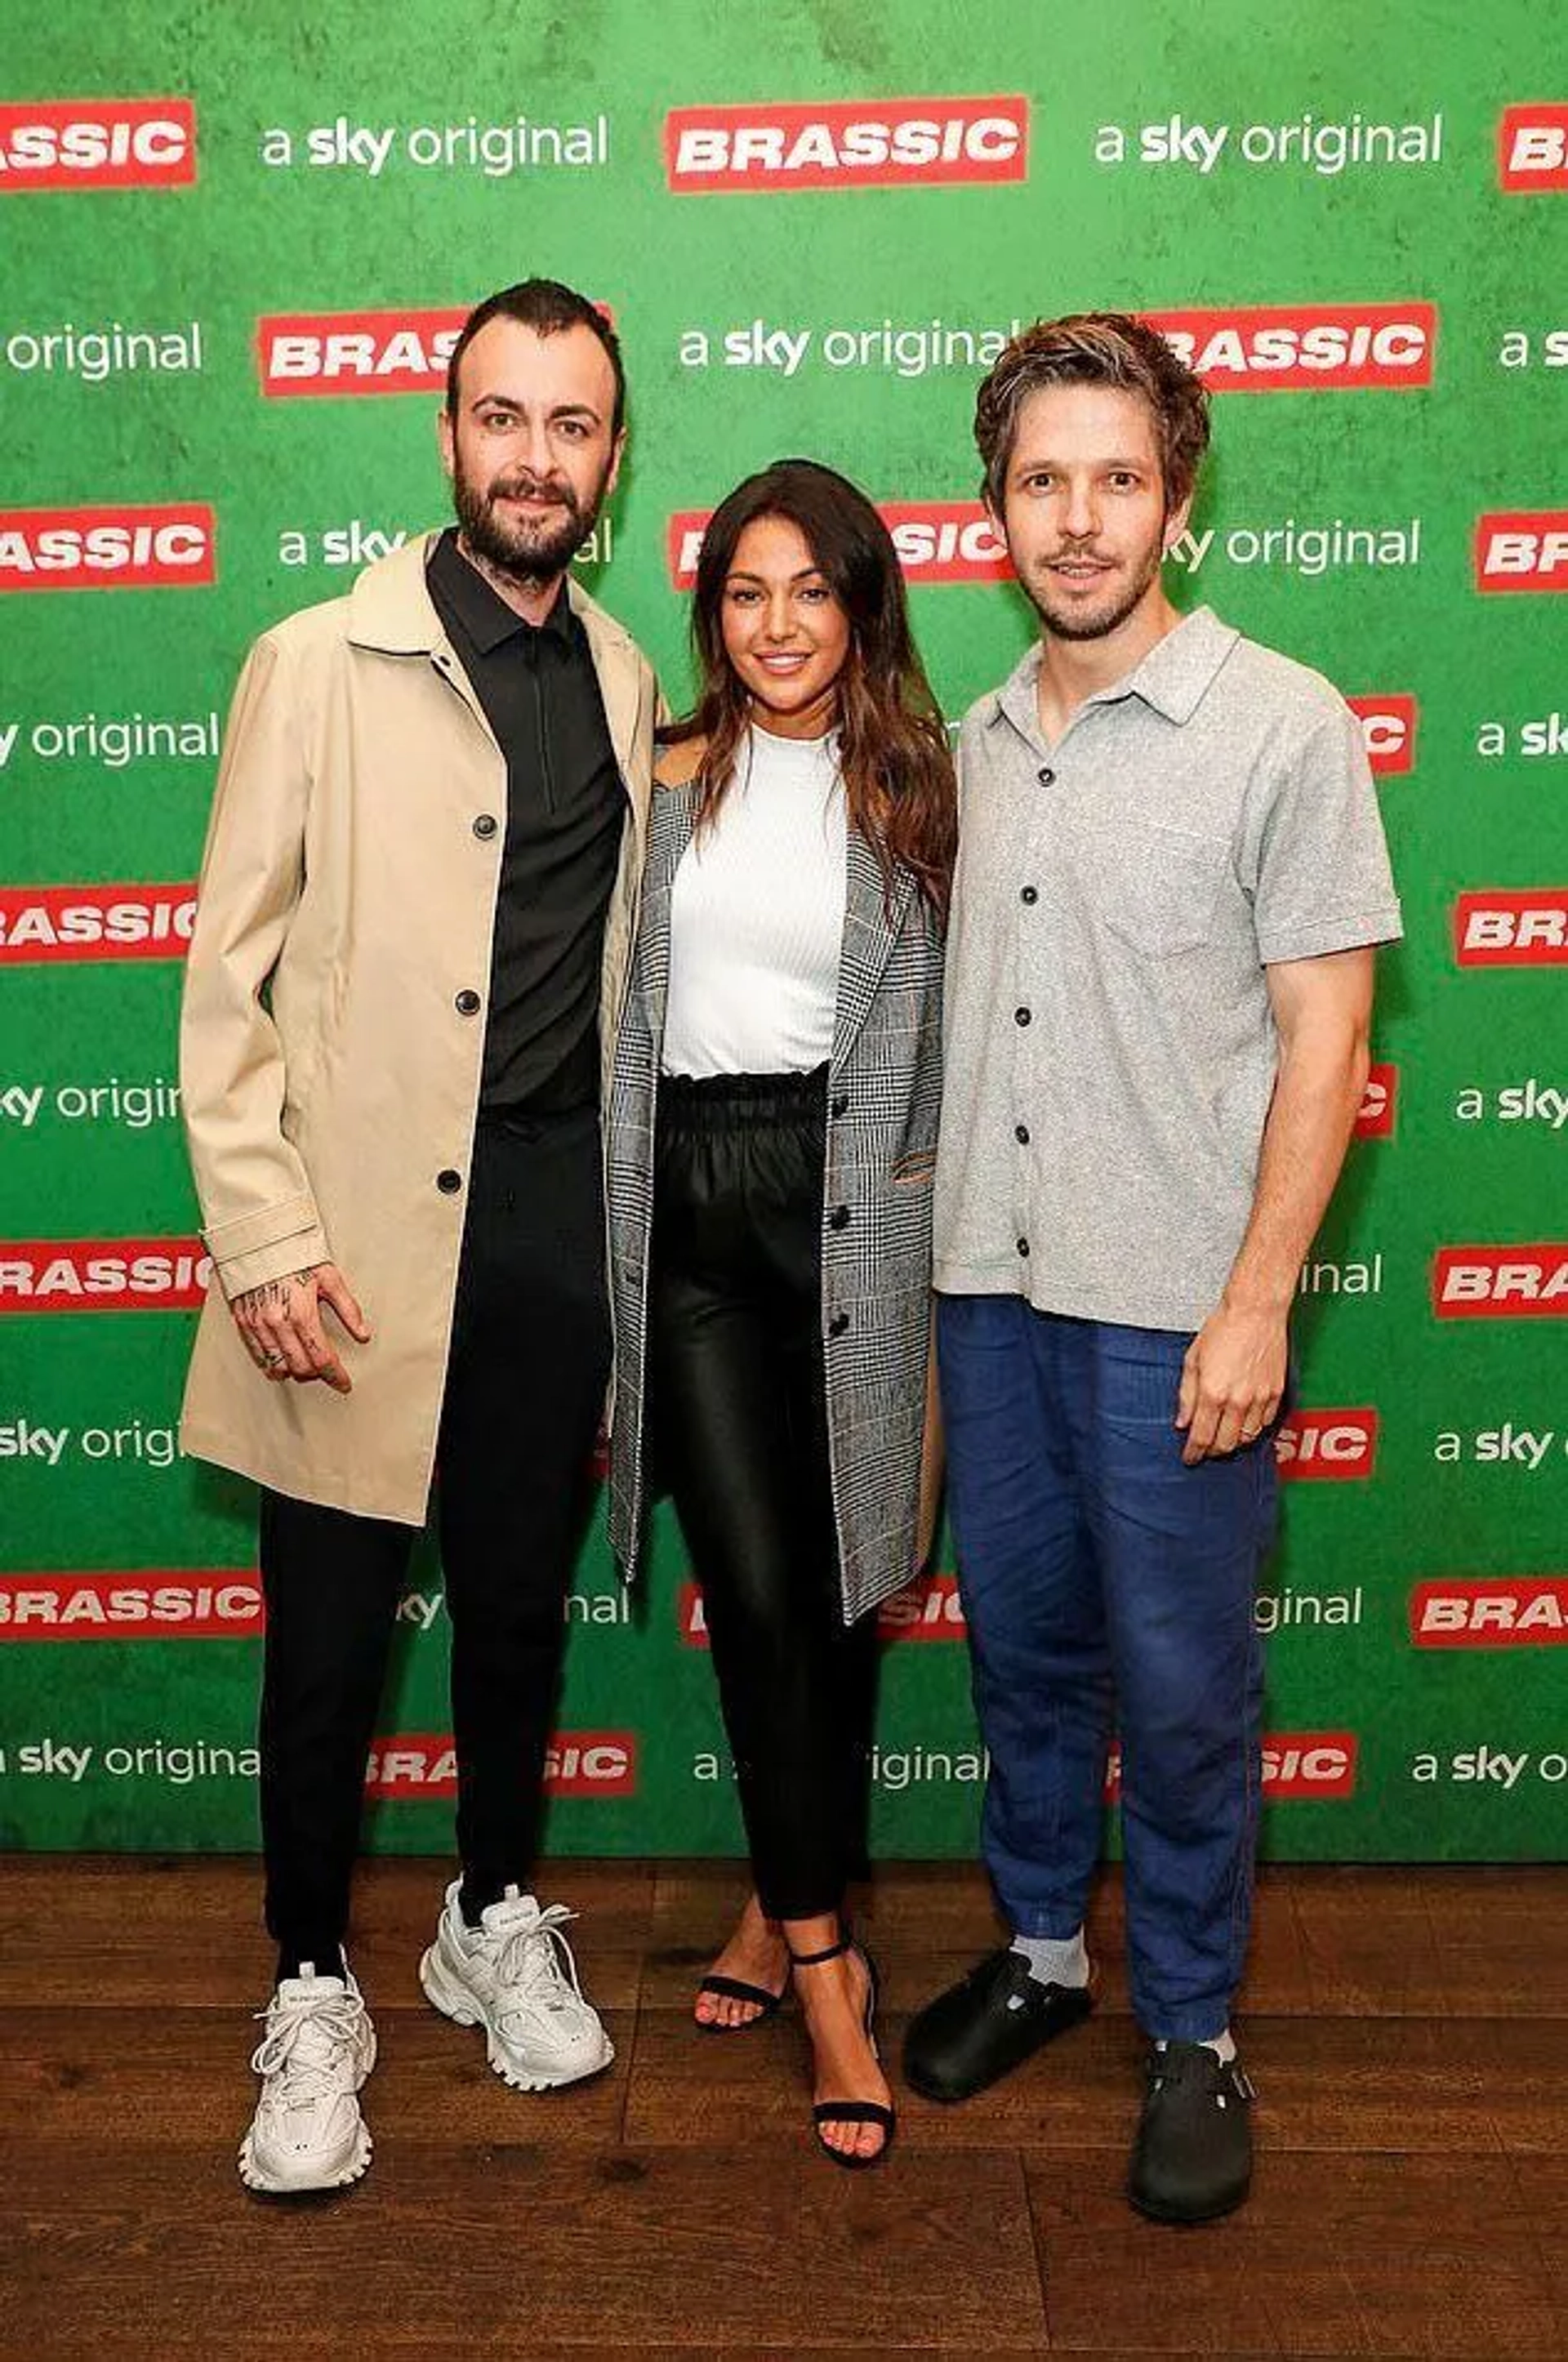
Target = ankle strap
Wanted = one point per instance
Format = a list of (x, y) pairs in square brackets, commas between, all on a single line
[(813, 1959)]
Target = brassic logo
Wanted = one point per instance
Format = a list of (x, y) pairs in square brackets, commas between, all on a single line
[(96, 922), (169, 548), (1532, 149), (1387, 731), (97, 143), (102, 1275), (1490, 1612), (356, 352), (1299, 1766), (1304, 349), (1501, 1283), (187, 1605), (1511, 927), (861, 143), (936, 541), (577, 1763)]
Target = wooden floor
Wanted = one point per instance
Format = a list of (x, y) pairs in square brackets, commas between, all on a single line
[(1407, 2031)]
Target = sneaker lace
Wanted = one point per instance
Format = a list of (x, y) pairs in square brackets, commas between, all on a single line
[(537, 1960), (307, 2040)]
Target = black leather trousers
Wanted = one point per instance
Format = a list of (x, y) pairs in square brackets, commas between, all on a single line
[(738, 1428)]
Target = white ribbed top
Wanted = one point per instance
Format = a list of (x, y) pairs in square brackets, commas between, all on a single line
[(756, 917)]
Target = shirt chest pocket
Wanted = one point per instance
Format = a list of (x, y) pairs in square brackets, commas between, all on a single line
[(1156, 886)]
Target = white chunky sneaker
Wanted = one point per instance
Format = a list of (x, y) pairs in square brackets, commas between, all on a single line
[(308, 2132), (514, 1975)]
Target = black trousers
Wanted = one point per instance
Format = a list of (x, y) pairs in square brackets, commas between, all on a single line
[(739, 1430), (525, 1382)]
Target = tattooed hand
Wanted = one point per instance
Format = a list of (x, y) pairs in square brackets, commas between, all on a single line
[(281, 1323)]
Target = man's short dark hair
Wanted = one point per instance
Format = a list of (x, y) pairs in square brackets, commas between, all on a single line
[(1108, 349), (548, 307)]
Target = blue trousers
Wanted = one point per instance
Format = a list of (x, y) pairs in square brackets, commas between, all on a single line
[(1103, 1580)]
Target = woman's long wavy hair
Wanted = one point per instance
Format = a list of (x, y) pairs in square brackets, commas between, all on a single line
[(893, 752)]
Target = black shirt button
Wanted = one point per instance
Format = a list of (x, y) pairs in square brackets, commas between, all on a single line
[(1030, 894), (486, 824), (840, 1106), (448, 1181), (838, 1324), (1020, 1133), (1023, 1246), (1021, 1016), (839, 1218), (467, 1004), (1047, 778)]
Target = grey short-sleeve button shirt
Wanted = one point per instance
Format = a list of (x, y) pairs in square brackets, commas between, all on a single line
[(1210, 815)]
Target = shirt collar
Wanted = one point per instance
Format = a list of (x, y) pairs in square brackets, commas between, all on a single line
[(483, 613), (1173, 677)]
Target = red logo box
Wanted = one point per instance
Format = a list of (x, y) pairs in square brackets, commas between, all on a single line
[(1387, 731), (1512, 927), (1527, 1611), (102, 1275), (96, 922), (1327, 1445), (1298, 1766), (356, 352), (1521, 549), (188, 1604), (97, 143), (936, 541), (1303, 348), (855, 144), (1378, 1103), (1532, 148), (1523, 1283), (414, 1764), (169, 548)]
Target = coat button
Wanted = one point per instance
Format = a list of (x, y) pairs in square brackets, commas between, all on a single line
[(467, 1003), (1021, 1016), (838, 1324), (839, 1219), (1023, 1246), (1030, 894), (486, 824), (840, 1106), (1047, 777), (1020, 1133), (448, 1181)]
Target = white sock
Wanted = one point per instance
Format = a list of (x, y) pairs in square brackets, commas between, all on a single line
[(1222, 2045), (1055, 1959)]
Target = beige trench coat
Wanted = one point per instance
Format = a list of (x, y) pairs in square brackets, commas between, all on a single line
[(347, 897)]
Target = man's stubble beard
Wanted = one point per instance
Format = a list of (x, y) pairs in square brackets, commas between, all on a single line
[(530, 556), (1100, 627)]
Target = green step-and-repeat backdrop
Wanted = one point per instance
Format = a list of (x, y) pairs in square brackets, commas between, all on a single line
[(235, 245)]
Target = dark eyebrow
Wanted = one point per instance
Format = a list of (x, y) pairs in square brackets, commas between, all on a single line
[(561, 409), (806, 574)]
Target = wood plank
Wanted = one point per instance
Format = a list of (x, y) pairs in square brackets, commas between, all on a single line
[(183, 2076), (185, 1930), (718, 2249), (1392, 2254)]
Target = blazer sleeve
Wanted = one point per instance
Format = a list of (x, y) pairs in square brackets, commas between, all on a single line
[(258, 1212)]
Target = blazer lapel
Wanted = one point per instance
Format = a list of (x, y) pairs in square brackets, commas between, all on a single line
[(673, 813), (870, 928)]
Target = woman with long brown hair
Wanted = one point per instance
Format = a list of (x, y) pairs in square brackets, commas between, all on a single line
[(773, 1130)]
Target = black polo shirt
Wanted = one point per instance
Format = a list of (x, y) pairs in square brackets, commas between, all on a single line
[(565, 812)]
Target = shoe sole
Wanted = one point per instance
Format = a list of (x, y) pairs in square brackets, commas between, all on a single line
[(270, 2185), (456, 2003)]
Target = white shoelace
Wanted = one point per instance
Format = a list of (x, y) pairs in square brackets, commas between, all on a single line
[(526, 1964), (313, 2066)]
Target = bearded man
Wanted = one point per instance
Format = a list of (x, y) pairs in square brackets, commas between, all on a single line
[(413, 922)]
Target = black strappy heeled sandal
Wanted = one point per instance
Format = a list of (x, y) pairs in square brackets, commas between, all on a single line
[(852, 2112), (736, 1989)]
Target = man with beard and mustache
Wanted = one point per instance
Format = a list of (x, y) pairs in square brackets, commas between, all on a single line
[(413, 930), (1171, 873)]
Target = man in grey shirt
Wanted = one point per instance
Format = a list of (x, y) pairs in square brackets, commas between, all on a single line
[(1171, 875)]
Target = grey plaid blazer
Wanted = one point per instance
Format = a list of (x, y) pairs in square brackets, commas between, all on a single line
[(884, 1097)]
